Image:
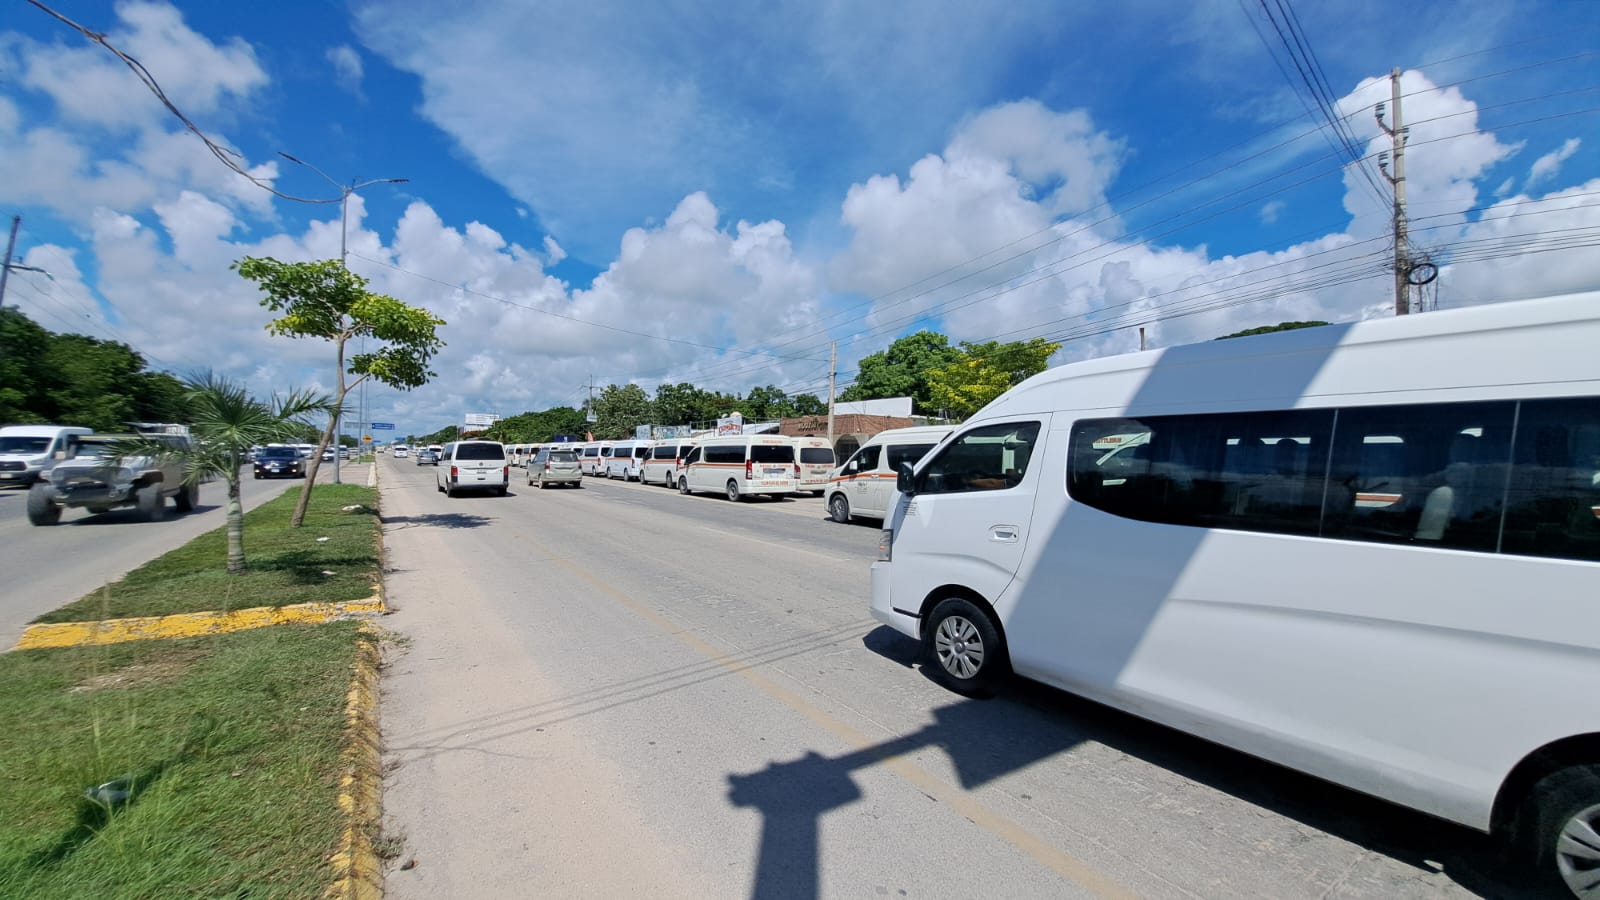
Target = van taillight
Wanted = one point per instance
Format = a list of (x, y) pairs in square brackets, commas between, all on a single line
[(454, 472), (505, 471), (749, 469), (797, 470)]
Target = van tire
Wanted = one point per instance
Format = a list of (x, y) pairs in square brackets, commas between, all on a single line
[(187, 497), (1565, 802), (152, 506), (733, 490), (41, 509), (683, 485), (839, 509), (962, 648)]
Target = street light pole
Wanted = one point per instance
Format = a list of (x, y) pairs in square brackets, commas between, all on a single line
[(345, 190)]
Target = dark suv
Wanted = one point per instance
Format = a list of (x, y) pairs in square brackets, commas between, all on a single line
[(280, 462)]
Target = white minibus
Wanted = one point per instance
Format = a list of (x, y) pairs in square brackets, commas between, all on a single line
[(592, 455), (628, 459), (1367, 551), (815, 456), (864, 485), (29, 452), (665, 458), (740, 466)]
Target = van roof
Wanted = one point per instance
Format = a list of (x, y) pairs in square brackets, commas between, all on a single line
[(42, 430), (910, 434)]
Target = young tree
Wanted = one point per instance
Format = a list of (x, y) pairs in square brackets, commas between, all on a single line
[(227, 422), (985, 371), (325, 300), (618, 410), (902, 370)]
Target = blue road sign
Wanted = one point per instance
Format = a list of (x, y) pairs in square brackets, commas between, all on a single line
[(382, 426)]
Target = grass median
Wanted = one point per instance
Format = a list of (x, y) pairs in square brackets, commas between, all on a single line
[(219, 758), (333, 557)]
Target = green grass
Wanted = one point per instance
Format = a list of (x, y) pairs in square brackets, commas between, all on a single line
[(286, 564), (233, 743)]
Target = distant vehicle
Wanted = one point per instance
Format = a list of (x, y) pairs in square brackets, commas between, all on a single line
[(427, 457), (1370, 552), (665, 458), (593, 454), (473, 466), (327, 455), (400, 451), (89, 476), (27, 452), (740, 466), (864, 485), (279, 462), (627, 459), (555, 466), (816, 459)]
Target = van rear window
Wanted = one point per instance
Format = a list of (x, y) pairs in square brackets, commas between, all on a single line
[(816, 455), (480, 451), (768, 453), (563, 456)]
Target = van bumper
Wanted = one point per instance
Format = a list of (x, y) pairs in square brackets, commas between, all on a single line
[(883, 602)]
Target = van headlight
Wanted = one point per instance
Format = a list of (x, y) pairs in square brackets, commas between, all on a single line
[(886, 545)]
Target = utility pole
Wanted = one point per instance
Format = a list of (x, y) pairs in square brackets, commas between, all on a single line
[(833, 372), (1397, 138), (5, 264)]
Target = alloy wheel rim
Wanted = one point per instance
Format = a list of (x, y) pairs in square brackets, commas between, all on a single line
[(1578, 853), (959, 646)]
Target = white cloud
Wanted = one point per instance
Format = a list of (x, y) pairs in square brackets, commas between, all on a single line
[(1545, 167), (347, 69), (1271, 210)]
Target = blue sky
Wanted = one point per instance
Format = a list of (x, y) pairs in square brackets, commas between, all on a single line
[(613, 188)]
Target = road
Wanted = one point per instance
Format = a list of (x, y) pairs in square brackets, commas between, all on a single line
[(48, 567), (620, 691)]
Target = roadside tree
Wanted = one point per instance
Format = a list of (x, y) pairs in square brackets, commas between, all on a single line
[(226, 423), (619, 410), (323, 299), (902, 370), (985, 371)]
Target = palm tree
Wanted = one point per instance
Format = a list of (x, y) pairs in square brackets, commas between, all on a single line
[(227, 423)]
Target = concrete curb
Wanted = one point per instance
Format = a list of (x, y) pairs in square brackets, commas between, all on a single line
[(358, 873), (182, 625)]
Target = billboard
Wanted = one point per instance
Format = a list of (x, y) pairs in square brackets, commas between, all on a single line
[(668, 432), (641, 432), (733, 423), (480, 420)]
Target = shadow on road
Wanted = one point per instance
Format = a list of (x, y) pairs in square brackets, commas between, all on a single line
[(1031, 722), (436, 520)]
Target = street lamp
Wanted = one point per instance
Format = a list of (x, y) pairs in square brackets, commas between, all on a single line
[(345, 190)]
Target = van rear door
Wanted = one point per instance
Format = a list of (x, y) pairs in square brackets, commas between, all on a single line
[(479, 464), (968, 520)]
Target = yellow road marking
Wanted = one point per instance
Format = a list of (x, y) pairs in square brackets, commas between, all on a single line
[(182, 625)]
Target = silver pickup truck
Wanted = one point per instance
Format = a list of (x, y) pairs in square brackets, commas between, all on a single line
[(90, 477)]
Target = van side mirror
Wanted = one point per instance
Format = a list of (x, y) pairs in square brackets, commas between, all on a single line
[(905, 479)]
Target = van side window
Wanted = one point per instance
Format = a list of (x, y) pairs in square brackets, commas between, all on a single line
[(665, 451), (1553, 500), (991, 458), (906, 453), (693, 457), (724, 454), (866, 459)]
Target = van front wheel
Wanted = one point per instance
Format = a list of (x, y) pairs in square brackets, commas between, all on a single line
[(839, 509), (683, 485), (963, 648)]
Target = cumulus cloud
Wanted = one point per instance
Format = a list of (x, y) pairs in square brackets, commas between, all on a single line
[(1545, 167), (346, 67), (1271, 210)]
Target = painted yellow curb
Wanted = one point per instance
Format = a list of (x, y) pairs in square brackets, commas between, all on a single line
[(182, 625), (358, 873)]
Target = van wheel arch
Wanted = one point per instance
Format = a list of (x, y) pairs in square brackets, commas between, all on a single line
[(997, 665), (1578, 750), (945, 592)]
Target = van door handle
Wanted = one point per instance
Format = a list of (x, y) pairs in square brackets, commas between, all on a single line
[(1005, 534)]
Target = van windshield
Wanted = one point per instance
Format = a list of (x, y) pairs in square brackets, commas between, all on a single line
[(24, 445), (480, 451)]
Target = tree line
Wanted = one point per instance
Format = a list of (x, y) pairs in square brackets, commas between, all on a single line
[(943, 381)]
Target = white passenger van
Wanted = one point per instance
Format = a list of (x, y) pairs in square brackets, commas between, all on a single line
[(627, 459), (473, 466), (29, 452), (589, 456), (1370, 552), (815, 456), (864, 485), (740, 466), (665, 458)]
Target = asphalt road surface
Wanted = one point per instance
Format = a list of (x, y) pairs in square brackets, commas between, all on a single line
[(618, 691), (48, 567)]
